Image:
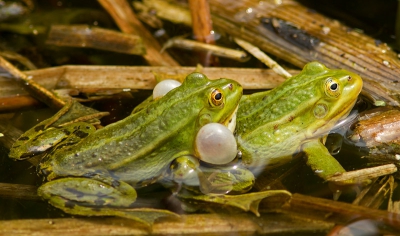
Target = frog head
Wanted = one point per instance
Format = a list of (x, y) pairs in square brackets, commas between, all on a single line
[(216, 121), (220, 99), (337, 91)]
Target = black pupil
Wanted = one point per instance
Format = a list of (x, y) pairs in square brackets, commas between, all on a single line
[(218, 96), (334, 86)]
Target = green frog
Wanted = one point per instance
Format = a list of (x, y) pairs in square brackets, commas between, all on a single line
[(273, 126), (96, 172)]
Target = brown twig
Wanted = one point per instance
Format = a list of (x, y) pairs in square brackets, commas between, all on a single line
[(18, 191), (95, 37), (201, 21), (128, 23), (339, 212), (34, 88), (89, 79), (13, 56), (375, 194), (257, 53), (364, 174), (215, 50), (202, 28), (214, 224)]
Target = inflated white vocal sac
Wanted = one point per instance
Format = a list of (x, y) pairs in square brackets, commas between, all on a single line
[(216, 144), (164, 87)]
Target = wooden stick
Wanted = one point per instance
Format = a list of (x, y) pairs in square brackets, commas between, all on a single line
[(126, 20), (165, 10), (364, 174), (123, 78), (339, 212), (95, 37), (215, 50), (35, 89), (201, 21), (215, 224), (257, 53), (18, 191), (375, 194), (143, 77), (203, 29), (13, 56)]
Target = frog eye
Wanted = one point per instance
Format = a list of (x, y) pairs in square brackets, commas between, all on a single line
[(332, 87), (217, 97)]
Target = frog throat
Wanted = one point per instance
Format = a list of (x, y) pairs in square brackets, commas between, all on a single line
[(230, 121)]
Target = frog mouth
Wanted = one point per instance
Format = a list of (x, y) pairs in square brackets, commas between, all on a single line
[(230, 121)]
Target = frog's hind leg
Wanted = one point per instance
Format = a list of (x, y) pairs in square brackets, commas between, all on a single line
[(90, 197), (84, 196)]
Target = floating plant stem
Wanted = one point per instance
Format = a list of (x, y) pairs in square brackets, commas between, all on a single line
[(35, 89), (213, 49), (367, 173), (95, 37)]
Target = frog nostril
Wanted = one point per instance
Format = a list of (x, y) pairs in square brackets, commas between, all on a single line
[(230, 86), (349, 78)]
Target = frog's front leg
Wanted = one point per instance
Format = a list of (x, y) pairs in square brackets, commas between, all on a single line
[(73, 119), (216, 181), (211, 179), (90, 197), (225, 179), (324, 164), (37, 139)]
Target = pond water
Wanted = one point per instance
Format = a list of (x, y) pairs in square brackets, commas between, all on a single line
[(28, 38)]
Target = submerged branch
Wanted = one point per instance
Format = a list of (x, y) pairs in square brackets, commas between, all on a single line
[(18, 191), (364, 174), (30, 85), (257, 53), (95, 37), (221, 224), (203, 29), (340, 212), (210, 48), (126, 20)]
